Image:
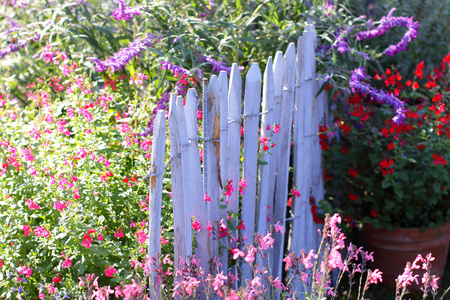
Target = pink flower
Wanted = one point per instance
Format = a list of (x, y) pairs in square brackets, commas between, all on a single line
[(32, 204), (142, 236), (76, 193), (335, 259), (375, 276), (61, 205), (164, 241), (236, 253), (100, 237), (279, 228), (276, 128), (41, 296), (26, 229), (41, 231), (118, 233), (87, 240), (266, 241), (250, 257), (196, 225), (229, 188), (278, 284), (67, 263), (242, 185), (207, 198), (109, 272)]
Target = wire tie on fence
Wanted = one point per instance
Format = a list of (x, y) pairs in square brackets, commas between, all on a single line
[(292, 218), (223, 128), (185, 145), (286, 89), (258, 114), (150, 174), (230, 120)]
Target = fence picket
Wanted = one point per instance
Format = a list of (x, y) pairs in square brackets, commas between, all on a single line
[(155, 196), (284, 144), (213, 156), (198, 207), (304, 98), (264, 200), (182, 248), (252, 104)]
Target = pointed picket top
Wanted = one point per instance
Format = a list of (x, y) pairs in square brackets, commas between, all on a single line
[(234, 134), (155, 196)]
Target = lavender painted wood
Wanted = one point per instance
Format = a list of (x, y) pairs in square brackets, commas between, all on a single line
[(155, 196), (252, 103), (186, 172), (181, 248), (223, 157), (304, 99), (234, 139), (198, 205), (278, 76), (264, 200), (317, 181), (213, 156), (284, 144)]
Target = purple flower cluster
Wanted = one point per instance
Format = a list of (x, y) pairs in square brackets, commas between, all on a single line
[(14, 2), (388, 22), (341, 42), (121, 58), (176, 70), (124, 12), (13, 47), (357, 84), (217, 65)]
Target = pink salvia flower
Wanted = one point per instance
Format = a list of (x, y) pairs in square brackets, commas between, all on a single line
[(109, 272), (118, 233)]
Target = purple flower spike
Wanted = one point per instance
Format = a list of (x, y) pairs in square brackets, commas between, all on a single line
[(357, 84), (124, 12), (217, 65), (176, 70), (121, 58), (388, 22)]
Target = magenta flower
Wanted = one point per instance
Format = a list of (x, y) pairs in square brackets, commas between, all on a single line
[(67, 263), (109, 272)]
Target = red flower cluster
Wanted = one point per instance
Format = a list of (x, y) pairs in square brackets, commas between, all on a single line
[(385, 166)]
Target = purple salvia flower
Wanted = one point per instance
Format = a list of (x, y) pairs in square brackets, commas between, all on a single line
[(176, 70), (357, 84), (341, 42), (217, 65), (124, 12), (124, 55), (388, 22)]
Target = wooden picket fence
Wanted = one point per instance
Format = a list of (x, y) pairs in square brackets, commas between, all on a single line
[(288, 99)]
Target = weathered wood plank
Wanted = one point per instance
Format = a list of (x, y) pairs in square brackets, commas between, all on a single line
[(264, 205), (303, 224), (198, 207), (252, 104), (213, 157), (284, 144), (155, 196), (182, 250)]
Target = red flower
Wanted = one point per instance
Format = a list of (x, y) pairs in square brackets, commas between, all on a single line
[(419, 70), (344, 150), (373, 213), (437, 97), (391, 146), (353, 173), (352, 197)]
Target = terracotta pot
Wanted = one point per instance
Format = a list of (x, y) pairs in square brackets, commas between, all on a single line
[(393, 249)]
